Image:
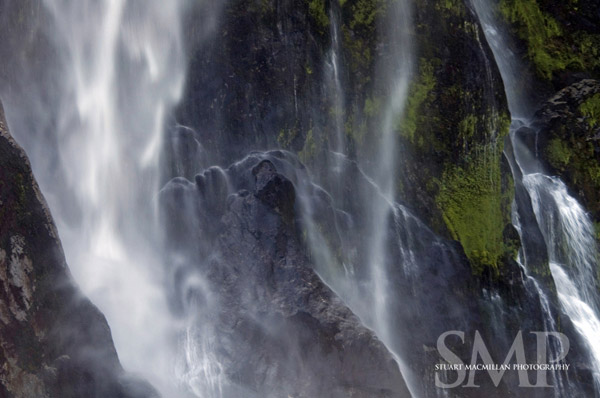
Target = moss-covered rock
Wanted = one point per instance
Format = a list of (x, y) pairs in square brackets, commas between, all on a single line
[(452, 134), (278, 94), (569, 140), (560, 39), (267, 83), (475, 205)]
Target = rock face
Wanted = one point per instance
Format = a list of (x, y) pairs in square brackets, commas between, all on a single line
[(452, 136), (567, 128), (452, 247), (269, 83), (266, 313), (53, 341), (278, 329), (561, 41)]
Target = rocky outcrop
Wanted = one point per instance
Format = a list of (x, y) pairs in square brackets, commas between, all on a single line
[(242, 233), (278, 329), (566, 137), (452, 135), (269, 83), (560, 40), (255, 79), (53, 341)]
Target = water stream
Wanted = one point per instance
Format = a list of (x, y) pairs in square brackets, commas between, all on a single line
[(121, 69), (565, 226)]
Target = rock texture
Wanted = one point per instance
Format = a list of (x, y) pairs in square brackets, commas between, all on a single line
[(567, 128), (279, 330), (268, 83), (452, 135), (53, 341), (560, 40)]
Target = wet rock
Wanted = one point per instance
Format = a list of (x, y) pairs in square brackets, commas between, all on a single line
[(279, 330), (572, 30), (568, 131), (53, 341)]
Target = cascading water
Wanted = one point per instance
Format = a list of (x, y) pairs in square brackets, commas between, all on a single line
[(566, 229), (120, 69), (549, 317), (336, 86), (573, 256), (395, 75)]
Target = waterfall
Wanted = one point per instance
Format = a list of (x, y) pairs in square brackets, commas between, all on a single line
[(566, 228), (119, 67), (380, 207), (384, 174), (536, 289), (573, 256), (119, 70), (123, 71), (336, 91)]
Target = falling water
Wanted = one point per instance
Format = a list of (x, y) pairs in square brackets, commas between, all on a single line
[(536, 289), (566, 228), (123, 67), (573, 256), (336, 88), (364, 286), (506, 58), (120, 68), (397, 75)]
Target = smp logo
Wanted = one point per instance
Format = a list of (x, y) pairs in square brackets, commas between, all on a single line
[(481, 360)]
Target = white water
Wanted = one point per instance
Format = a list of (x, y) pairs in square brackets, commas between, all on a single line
[(397, 76), (121, 68), (506, 58), (370, 300), (573, 256), (567, 230), (336, 90), (549, 319)]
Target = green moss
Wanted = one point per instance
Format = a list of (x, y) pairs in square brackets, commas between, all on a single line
[(309, 150), (503, 123), (549, 48), (590, 108), (318, 12), (467, 126), (356, 129), (475, 209), (418, 94), (365, 13), (286, 136), (558, 154), (360, 40), (372, 106), (539, 30), (361, 57), (453, 7)]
